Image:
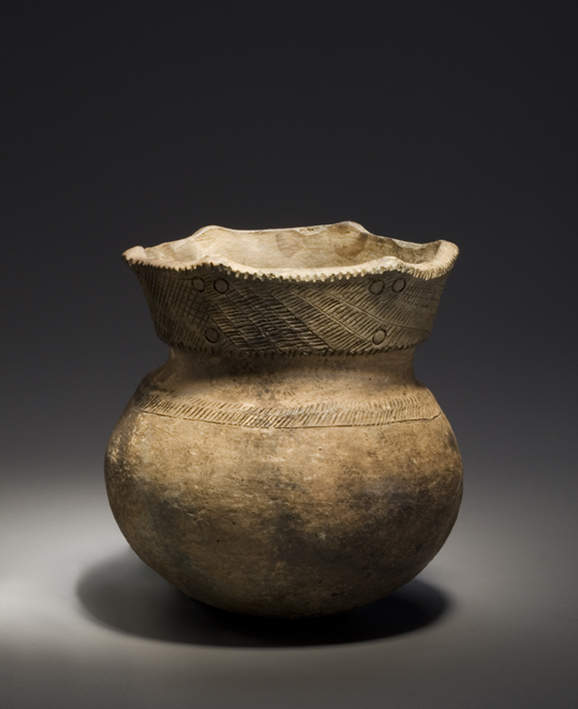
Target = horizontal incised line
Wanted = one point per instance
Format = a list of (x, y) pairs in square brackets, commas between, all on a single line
[(419, 405)]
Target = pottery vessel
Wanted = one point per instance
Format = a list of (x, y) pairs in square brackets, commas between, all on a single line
[(285, 461)]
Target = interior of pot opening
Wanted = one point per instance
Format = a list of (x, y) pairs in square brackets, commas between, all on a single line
[(329, 246)]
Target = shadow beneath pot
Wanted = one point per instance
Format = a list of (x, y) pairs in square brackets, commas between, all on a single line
[(124, 594)]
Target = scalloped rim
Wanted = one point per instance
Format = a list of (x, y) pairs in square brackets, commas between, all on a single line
[(442, 262)]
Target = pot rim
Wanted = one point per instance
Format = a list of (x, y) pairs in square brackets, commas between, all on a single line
[(424, 261)]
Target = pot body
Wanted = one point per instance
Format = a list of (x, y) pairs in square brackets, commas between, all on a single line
[(285, 461), (287, 487)]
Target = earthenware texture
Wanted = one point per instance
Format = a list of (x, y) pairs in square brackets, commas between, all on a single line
[(285, 461)]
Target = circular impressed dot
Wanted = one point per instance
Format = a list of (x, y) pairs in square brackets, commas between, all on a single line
[(198, 284), (211, 334), (376, 287), (379, 337), (221, 285), (398, 285)]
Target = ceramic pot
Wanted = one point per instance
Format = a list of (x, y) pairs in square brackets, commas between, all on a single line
[(285, 461)]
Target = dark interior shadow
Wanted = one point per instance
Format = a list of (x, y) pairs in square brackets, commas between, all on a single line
[(123, 593)]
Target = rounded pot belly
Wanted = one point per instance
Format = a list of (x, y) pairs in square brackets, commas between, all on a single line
[(284, 521)]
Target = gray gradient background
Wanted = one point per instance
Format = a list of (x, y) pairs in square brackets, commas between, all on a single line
[(140, 123)]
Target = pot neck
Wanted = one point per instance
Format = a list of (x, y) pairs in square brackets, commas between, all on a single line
[(395, 366)]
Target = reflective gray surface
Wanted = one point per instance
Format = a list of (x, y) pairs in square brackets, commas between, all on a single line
[(491, 622)]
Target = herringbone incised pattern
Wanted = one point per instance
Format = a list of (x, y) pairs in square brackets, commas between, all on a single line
[(417, 405), (210, 310)]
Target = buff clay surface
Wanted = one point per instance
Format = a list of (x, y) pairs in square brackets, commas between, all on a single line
[(285, 461)]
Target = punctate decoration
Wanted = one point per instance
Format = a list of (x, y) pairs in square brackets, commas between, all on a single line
[(285, 461)]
